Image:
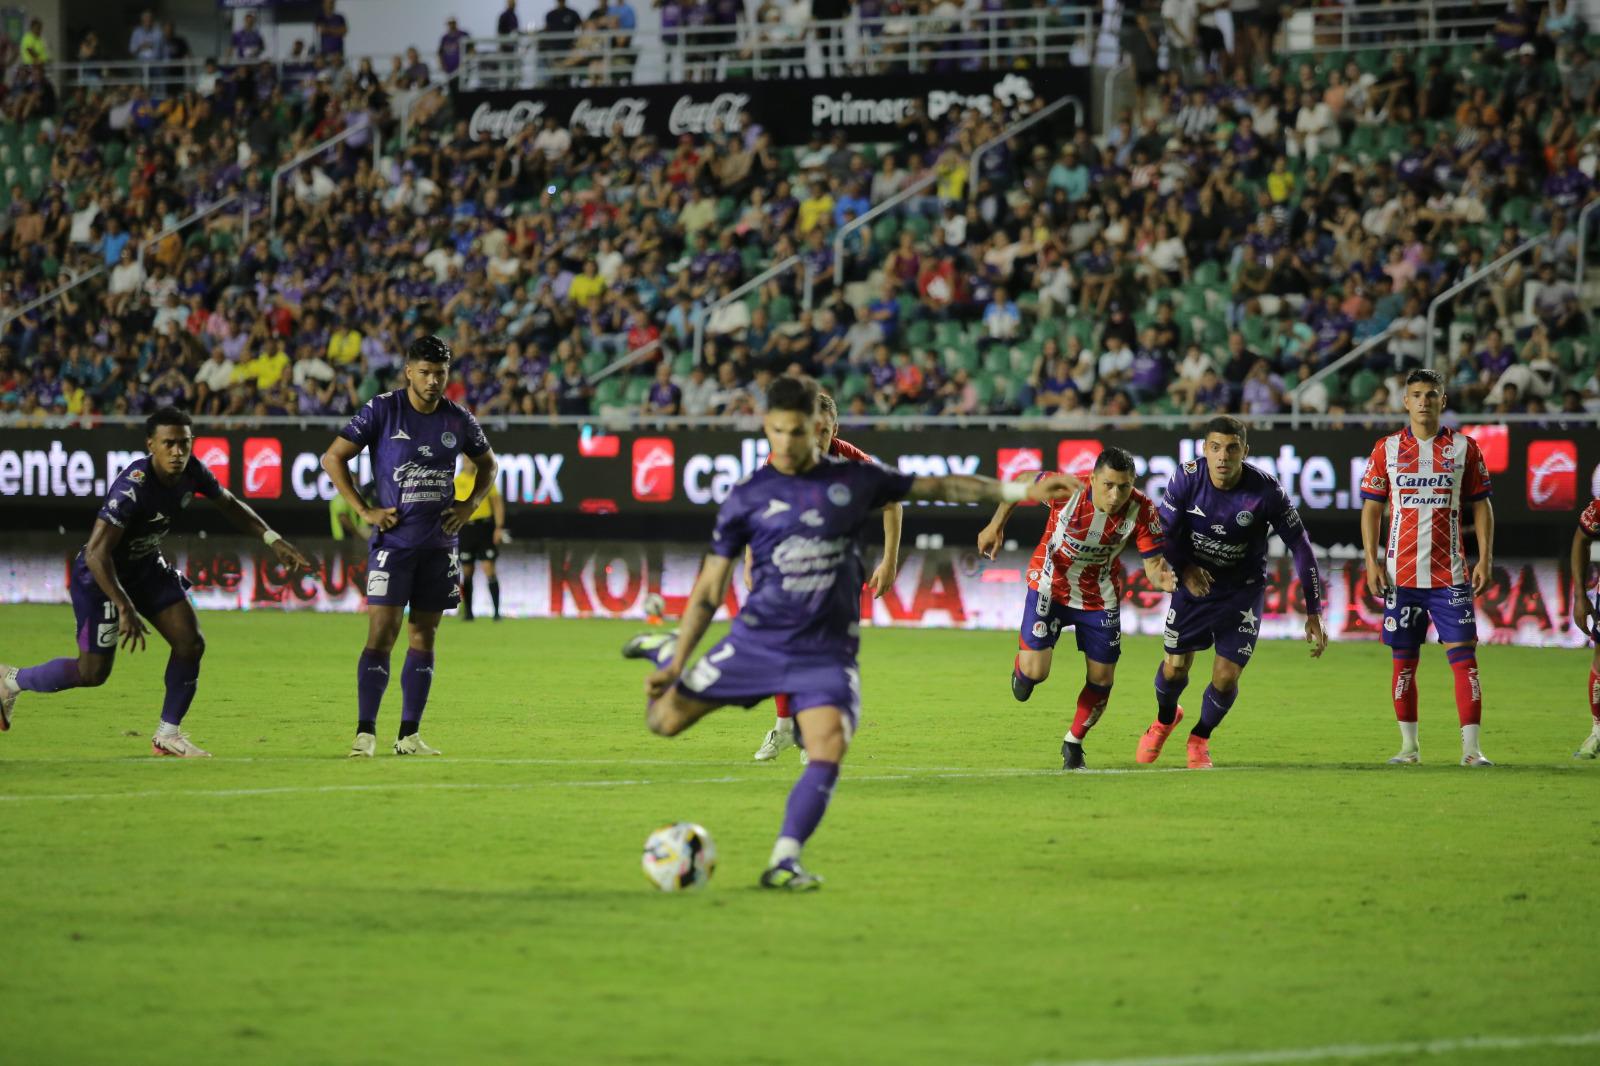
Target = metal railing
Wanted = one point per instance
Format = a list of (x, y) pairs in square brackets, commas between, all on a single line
[(185, 222), (1467, 282), (160, 75), (608, 56), (737, 294), (1356, 27), (1015, 128), (625, 361), (316, 150), (1333, 368), (1108, 97), (1583, 240), (39, 301)]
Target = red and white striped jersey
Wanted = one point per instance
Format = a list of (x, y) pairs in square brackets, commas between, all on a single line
[(1426, 483), (1077, 557), (1589, 520)]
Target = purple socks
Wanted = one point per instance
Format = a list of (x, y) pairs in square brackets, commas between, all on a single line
[(1213, 708), (808, 800), (416, 677), (53, 676), (1167, 692), (372, 677), (182, 674)]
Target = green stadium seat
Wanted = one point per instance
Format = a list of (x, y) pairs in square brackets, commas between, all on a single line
[(608, 393), (1363, 383)]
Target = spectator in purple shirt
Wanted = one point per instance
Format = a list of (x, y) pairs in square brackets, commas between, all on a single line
[(450, 46), (664, 398), (246, 42), (331, 28)]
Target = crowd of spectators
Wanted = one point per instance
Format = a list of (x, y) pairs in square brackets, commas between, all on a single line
[(1248, 222)]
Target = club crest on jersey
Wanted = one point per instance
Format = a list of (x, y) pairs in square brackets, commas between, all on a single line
[(1244, 518), (1388, 625), (839, 495), (1040, 630), (448, 439), (136, 476)]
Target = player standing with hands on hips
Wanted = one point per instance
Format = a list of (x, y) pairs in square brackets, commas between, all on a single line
[(1428, 474), (414, 435)]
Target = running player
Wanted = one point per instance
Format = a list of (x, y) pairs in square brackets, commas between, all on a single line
[(414, 436), (1428, 474), (480, 539), (781, 735), (1075, 579), (1583, 617), (799, 631), (1216, 515), (121, 574)]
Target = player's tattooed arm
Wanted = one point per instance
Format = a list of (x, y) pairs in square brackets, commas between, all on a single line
[(1483, 526), (243, 517), (103, 540), (710, 592), (487, 468), (1372, 544), (336, 463)]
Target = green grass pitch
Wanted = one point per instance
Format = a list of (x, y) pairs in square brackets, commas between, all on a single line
[(281, 904)]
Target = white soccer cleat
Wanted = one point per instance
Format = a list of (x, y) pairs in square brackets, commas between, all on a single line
[(9, 690), (777, 740), (365, 747), (177, 744), (1589, 748), (1406, 758), (1475, 759), (413, 745)]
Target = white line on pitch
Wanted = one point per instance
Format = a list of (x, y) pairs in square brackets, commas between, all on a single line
[(523, 786), (1347, 1052)]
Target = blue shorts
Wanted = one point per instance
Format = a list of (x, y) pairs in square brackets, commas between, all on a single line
[(1099, 632), (740, 671), (151, 584), (1228, 618), (1407, 611), (429, 579)]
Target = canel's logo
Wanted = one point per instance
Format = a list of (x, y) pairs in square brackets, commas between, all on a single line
[(263, 468)]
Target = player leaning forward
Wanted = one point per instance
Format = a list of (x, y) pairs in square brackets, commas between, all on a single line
[(798, 631), (1428, 474), (120, 574), (414, 436)]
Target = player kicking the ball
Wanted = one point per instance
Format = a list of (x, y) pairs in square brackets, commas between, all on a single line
[(1075, 579), (799, 631), (120, 574), (781, 735), (1583, 617), (1427, 474), (1216, 514), (414, 435)]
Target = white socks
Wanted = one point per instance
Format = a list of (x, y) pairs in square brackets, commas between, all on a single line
[(1408, 736), (1469, 740), (784, 725), (167, 729), (787, 848)]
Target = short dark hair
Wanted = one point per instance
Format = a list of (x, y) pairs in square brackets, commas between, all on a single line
[(825, 405), (794, 394), (167, 416), (429, 349), (1116, 459), (1226, 425), (1432, 377)]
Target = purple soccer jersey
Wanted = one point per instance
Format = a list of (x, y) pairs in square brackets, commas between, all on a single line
[(143, 508), (414, 463)]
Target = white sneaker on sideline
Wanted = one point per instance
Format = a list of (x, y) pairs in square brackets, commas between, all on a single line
[(1406, 758), (365, 747), (177, 744), (777, 740), (413, 745)]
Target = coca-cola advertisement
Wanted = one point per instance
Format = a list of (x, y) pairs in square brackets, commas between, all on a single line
[(865, 109), (1527, 603)]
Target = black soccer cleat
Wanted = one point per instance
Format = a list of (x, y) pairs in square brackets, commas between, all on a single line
[(1072, 756), (1021, 687)]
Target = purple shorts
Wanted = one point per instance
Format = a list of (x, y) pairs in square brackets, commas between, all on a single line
[(1228, 618), (1099, 633), (1407, 611), (740, 671), (152, 585), (429, 579)]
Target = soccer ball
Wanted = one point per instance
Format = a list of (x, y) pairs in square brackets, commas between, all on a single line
[(679, 857), (655, 605)]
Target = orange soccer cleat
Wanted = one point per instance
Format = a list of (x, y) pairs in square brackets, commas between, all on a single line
[(1199, 753), (1154, 737)]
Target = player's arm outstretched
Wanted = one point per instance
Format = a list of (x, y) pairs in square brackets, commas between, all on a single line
[(1483, 526), (103, 540), (882, 579), (710, 592), (1007, 494), (486, 469), (336, 464), (244, 518)]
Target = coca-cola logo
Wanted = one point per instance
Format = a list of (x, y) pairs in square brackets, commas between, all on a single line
[(502, 125), (263, 468), (627, 112), (721, 112)]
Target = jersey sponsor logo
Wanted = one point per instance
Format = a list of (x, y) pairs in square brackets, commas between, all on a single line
[(1247, 650), (810, 564), (263, 468), (839, 494), (1460, 596), (425, 451), (448, 439), (106, 635), (1248, 621), (653, 461), (1552, 475), (1418, 482), (215, 454), (1219, 530), (1244, 518), (423, 484), (378, 583)]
